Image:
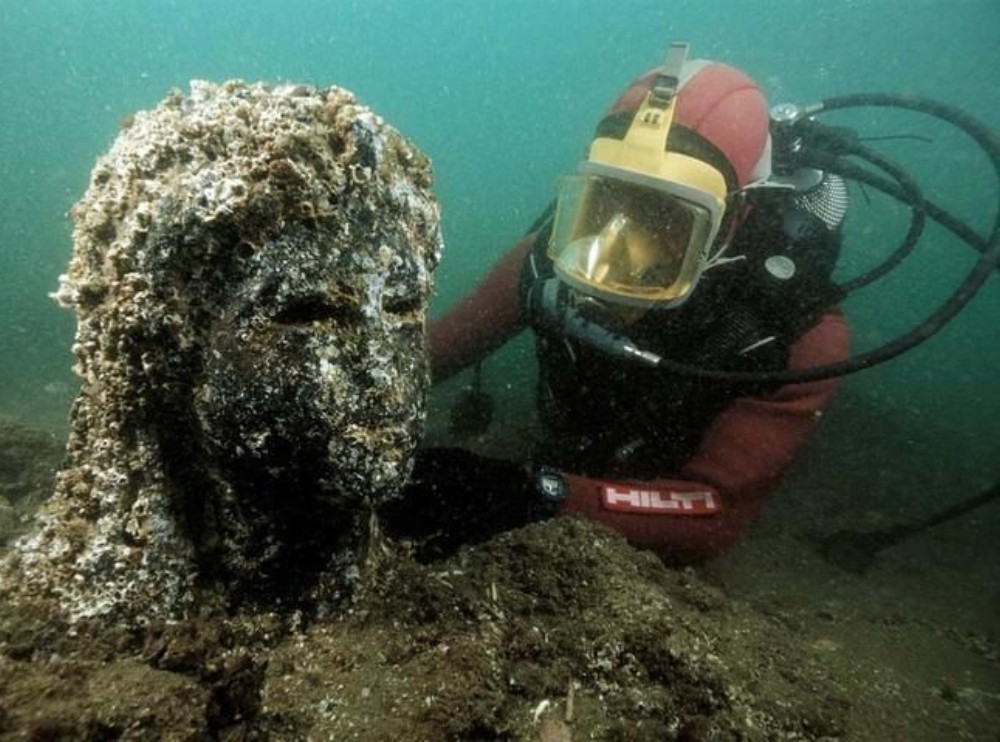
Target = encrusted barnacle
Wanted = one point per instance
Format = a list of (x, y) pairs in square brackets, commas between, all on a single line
[(246, 248), (284, 170), (307, 211), (360, 174)]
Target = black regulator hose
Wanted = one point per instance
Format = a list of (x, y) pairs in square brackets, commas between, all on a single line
[(949, 221), (824, 148), (910, 194), (978, 275)]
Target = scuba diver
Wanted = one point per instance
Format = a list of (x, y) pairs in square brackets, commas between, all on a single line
[(687, 324)]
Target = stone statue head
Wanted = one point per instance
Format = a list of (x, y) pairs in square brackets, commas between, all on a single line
[(250, 274)]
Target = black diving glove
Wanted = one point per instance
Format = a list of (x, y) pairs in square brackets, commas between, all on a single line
[(456, 497)]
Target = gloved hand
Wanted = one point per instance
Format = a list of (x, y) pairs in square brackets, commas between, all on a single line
[(456, 497)]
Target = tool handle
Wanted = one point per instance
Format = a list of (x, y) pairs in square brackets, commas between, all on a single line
[(949, 513)]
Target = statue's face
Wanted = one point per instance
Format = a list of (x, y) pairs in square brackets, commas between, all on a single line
[(316, 373)]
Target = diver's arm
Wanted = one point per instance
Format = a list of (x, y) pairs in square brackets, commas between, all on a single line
[(483, 320), (741, 458), (748, 448)]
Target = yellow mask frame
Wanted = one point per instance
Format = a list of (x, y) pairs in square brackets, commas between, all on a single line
[(641, 160)]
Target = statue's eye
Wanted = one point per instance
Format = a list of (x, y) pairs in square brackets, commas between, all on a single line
[(310, 310), (406, 305)]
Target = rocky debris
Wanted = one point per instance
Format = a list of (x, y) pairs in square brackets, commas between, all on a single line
[(250, 274), (556, 631)]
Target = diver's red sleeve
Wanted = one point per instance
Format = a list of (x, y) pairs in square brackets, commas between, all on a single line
[(741, 458), (483, 320)]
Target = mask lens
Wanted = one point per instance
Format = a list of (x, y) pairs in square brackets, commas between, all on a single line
[(638, 243)]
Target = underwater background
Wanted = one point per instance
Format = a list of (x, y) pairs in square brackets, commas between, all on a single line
[(503, 95)]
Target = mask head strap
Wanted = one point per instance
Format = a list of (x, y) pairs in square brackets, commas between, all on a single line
[(666, 83)]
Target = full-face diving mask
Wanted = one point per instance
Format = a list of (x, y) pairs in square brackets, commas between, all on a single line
[(635, 223)]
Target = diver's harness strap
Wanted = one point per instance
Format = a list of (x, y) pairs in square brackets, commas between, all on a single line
[(666, 83)]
